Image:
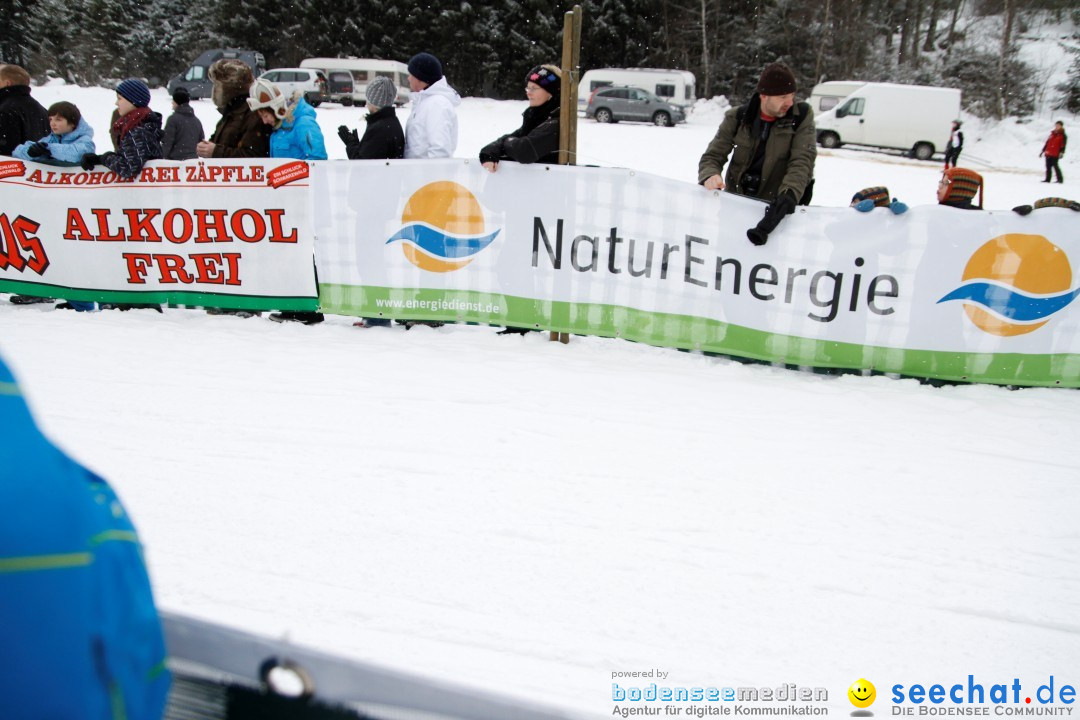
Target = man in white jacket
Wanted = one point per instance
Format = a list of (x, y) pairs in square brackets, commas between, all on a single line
[(432, 130)]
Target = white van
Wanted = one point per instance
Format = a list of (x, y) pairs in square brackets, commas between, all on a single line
[(916, 118), (364, 70), (673, 86), (827, 95)]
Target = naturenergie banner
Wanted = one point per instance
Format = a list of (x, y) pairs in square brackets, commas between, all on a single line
[(935, 292)]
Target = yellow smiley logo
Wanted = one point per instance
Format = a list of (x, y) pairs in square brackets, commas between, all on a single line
[(862, 693)]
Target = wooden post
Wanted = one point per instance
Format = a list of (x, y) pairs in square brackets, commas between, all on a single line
[(568, 116)]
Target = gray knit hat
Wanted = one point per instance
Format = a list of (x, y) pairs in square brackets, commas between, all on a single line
[(381, 92)]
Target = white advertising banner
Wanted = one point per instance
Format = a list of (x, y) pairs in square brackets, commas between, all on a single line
[(935, 292), (217, 233)]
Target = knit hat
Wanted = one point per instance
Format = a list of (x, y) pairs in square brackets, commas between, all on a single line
[(426, 68), (1057, 202), (878, 197), (963, 185), (135, 92), (181, 96), (381, 92), (548, 77), (776, 79)]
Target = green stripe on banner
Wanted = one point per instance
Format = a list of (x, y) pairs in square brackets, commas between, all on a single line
[(7, 388), (696, 333), (165, 297)]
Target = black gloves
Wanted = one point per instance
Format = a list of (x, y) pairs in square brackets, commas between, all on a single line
[(351, 140), (782, 206), (349, 137), (90, 161), (39, 149)]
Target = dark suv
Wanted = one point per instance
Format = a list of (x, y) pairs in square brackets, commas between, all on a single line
[(612, 104)]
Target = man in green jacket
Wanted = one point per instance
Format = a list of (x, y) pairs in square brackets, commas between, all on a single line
[(774, 150)]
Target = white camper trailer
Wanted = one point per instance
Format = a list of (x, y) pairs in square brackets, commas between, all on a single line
[(916, 118), (827, 95), (364, 70), (673, 86)]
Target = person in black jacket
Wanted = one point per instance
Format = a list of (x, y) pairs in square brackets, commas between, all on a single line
[(183, 131), (139, 130), (537, 140), (22, 117), (383, 139)]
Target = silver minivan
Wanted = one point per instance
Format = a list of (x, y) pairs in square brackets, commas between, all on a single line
[(612, 104)]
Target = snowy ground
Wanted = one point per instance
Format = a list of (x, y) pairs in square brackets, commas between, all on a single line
[(528, 517)]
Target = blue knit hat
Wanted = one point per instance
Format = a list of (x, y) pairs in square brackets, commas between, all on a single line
[(134, 91), (426, 68)]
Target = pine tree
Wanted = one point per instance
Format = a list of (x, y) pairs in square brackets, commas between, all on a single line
[(55, 48), (15, 37), (1070, 89)]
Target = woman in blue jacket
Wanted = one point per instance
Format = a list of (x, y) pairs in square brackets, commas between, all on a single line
[(70, 139), (296, 134)]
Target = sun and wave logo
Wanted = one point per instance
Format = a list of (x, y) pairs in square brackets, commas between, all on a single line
[(442, 228), (1014, 283)]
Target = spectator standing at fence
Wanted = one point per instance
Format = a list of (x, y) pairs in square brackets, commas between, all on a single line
[(295, 133), (139, 130), (22, 117), (432, 129), (183, 131), (774, 147), (1053, 150), (383, 138), (82, 638), (240, 132), (70, 139), (955, 145), (537, 140)]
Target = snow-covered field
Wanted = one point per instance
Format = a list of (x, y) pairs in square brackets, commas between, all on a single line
[(528, 517)]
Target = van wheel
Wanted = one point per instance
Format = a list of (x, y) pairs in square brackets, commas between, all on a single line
[(603, 115), (661, 118), (923, 151), (347, 102), (829, 140)]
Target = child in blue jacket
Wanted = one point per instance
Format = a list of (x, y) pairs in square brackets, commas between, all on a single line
[(70, 139), (296, 133)]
